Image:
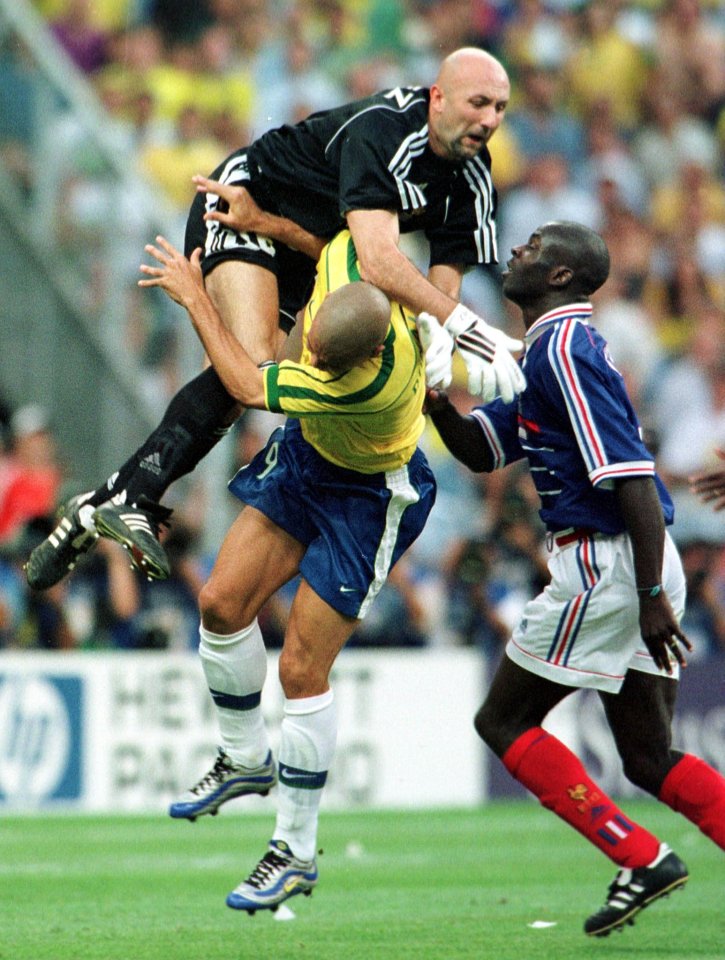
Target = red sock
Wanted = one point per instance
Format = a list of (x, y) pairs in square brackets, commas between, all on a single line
[(557, 777), (695, 790)]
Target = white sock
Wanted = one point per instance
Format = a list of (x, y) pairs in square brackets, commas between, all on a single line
[(307, 746), (235, 667)]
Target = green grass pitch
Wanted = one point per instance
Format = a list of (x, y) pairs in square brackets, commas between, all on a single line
[(429, 885)]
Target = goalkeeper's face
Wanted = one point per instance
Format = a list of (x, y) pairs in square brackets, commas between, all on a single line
[(465, 115)]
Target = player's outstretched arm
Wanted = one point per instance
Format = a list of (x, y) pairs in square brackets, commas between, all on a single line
[(376, 235), (246, 216), (640, 505), (182, 280), (710, 486), (461, 435), (486, 351)]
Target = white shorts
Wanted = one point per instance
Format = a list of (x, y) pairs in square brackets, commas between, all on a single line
[(583, 629)]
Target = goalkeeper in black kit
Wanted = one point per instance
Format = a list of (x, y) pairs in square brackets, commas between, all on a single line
[(405, 159)]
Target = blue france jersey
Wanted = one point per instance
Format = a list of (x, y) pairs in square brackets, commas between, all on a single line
[(574, 422)]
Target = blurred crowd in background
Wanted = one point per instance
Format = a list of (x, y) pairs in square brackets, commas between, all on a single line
[(616, 120)]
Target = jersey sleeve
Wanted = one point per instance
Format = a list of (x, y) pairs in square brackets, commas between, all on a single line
[(597, 405), (499, 425)]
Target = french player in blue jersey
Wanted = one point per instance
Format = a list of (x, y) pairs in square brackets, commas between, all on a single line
[(609, 619)]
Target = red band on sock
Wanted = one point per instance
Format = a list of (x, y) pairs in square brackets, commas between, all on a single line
[(549, 769), (518, 748), (697, 791)]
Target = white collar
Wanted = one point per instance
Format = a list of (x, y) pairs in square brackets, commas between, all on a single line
[(570, 311)]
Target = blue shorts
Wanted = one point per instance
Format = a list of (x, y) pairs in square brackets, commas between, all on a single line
[(354, 525)]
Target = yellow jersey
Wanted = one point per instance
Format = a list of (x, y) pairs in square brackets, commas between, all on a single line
[(368, 418)]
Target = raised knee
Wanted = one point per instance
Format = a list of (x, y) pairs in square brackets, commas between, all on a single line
[(217, 611)]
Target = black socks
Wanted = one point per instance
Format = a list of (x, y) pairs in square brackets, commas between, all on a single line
[(195, 420)]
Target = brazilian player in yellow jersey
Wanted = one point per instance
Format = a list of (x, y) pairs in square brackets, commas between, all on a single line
[(376, 404), (336, 496)]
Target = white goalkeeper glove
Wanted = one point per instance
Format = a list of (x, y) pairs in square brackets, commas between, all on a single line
[(486, 351), (437, 345)]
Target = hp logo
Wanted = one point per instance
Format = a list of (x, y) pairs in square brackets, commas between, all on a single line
[(40, 739)]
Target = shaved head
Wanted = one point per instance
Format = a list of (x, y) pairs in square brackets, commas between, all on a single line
[(467, 103), (580, 248), (350, 326), (470, 65), (562, 262)]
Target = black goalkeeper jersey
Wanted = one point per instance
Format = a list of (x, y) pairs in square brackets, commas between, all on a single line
[(375, 154)]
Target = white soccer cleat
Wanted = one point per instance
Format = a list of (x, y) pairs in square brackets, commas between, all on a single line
[(223, 782)]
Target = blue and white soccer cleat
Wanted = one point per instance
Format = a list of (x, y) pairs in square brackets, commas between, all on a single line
[(278, 876), (223, 782)]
